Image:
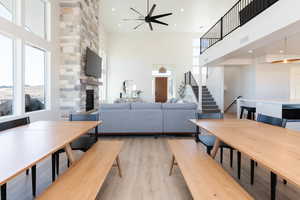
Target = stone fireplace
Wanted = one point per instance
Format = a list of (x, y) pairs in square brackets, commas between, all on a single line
[(79, 29)]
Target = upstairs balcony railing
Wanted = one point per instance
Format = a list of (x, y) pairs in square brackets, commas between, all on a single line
[(241, 13)]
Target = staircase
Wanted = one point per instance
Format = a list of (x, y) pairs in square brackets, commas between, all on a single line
[(208, 103)]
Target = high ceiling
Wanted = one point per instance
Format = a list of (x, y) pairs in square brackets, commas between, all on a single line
[(188, 15)]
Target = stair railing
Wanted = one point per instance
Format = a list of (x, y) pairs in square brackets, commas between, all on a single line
[(234, 102), (241, 13), (190, 80)]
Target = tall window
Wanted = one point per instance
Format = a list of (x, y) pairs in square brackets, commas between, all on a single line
[(35, 17), (35, 61), (6, 76), (6, 9)]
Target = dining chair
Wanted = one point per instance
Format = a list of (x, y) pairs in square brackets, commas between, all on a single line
[(85, 142), (271, 121), (13, 124), (209, 140)]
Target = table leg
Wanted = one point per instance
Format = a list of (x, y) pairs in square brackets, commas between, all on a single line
[(273, 185), (53, 166), (197, 134), (70, 154), (33, 174), (3, 192), (216, 148)]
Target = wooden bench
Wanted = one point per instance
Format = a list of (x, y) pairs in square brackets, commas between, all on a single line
[(83, 180), (205, 178)]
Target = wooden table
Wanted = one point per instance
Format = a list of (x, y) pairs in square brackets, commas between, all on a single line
[(276, 148), (27, 145)]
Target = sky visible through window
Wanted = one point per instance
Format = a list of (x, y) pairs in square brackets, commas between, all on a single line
[(6, 64), (5, 9)]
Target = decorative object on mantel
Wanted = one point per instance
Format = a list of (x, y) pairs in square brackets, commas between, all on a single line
[(90, 82), (129, 100)]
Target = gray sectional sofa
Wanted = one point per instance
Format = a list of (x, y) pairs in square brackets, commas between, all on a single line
[(150, 118)]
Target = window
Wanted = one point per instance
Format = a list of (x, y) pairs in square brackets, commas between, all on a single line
[(35, 17), (6, 8), (6, 76), (34, 88)]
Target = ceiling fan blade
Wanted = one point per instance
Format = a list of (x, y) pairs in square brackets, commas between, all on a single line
[(152, 10), (159, 22), (134, 10), (133, 19), (160, 16), (138, 25), (150, 25)]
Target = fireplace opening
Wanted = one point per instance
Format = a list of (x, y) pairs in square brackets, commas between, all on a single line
[(90, 100)]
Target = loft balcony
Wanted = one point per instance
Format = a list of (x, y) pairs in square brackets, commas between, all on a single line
[(240, 14)]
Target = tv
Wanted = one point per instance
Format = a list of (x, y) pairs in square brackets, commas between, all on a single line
[(93, 65)]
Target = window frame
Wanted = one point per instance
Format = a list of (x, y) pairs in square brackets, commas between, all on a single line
[(16, 31)]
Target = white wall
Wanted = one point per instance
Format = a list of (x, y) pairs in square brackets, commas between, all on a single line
[(238, 81), (258, 81), (273, 81), (132, 56)]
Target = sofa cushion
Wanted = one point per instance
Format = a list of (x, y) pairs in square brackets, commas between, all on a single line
[(146, 106), (179, 106), (115, 106)]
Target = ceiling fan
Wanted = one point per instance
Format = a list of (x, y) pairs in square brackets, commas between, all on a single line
[(149, 18)]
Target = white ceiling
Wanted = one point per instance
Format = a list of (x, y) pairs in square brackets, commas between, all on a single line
[(188, 15)]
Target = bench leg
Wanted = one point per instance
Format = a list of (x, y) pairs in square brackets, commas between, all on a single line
[(119, 166), (172, 165), (70, 154), (33, 176), (216, 148), (27, 171), (273, 185), (3, 192), (284, 182)]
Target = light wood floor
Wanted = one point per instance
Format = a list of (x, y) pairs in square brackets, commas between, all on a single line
[(145, 163)]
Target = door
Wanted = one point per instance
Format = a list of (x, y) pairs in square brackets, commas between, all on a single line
[(161, 89)]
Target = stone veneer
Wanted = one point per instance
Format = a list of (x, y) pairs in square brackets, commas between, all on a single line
[(79, 29)]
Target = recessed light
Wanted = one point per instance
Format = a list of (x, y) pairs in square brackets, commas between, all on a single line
[(119, 25), (250, 51), (175, 24), (201, 27), (113, 9), (281, 51), (181, 10)]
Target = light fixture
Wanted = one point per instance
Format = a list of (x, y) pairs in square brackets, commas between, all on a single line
[(250, 51), (181, 10), (286, 59), (113, 9)]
